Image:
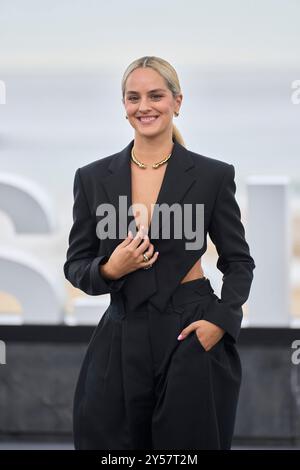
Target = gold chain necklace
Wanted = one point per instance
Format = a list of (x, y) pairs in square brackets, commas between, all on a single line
[(143, 165)]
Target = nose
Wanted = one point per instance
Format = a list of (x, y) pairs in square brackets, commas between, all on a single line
[(144, 106)]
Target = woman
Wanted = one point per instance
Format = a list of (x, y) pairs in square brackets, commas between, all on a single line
[(162, 370)]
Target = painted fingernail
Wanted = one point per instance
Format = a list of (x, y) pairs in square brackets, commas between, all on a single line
[(180, 337)]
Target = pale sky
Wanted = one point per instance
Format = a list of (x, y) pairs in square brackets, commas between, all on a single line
[(95, 33)]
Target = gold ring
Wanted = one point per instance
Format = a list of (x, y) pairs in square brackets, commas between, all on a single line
[(145, 257)]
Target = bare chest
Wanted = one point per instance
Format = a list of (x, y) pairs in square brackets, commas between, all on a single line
[(145, 186)]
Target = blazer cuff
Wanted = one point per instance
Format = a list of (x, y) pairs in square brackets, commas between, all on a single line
[(98, 281), (224, 316)]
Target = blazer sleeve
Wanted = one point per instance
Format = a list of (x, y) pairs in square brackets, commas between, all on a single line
[(82, 263), (234, 261)]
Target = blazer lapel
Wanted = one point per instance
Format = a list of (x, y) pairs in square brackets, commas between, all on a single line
[(118, 183), (178, 178)]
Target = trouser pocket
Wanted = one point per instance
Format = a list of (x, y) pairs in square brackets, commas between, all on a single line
[(193, 309)]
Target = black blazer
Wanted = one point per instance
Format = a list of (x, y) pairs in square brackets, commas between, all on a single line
[(189, 178)]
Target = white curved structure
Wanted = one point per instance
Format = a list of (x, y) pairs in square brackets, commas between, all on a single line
[(26, 204), (30, 282)]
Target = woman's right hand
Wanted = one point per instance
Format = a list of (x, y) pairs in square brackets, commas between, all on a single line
[(128, 256)]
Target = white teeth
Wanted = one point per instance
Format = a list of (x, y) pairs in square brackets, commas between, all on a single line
[(147, 119)]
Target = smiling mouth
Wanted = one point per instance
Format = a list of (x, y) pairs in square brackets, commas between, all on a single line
[(146, 120)]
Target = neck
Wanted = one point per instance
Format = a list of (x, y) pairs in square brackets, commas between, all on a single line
[(152, 150)]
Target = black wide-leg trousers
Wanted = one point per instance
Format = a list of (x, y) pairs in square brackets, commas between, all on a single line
[(139, 387)]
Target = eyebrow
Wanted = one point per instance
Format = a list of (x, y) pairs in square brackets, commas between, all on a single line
[(151, 91)]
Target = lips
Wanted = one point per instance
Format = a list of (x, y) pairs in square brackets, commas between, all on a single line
[(147, 119)]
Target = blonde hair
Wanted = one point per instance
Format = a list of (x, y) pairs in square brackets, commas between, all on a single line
[(166, 71)]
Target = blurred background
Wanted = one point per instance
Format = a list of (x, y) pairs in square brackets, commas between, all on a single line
[(61, 64)]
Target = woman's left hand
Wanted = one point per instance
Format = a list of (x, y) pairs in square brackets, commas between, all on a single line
[(208, 333)]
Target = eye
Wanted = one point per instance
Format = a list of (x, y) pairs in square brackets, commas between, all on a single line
[(131, 98)]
